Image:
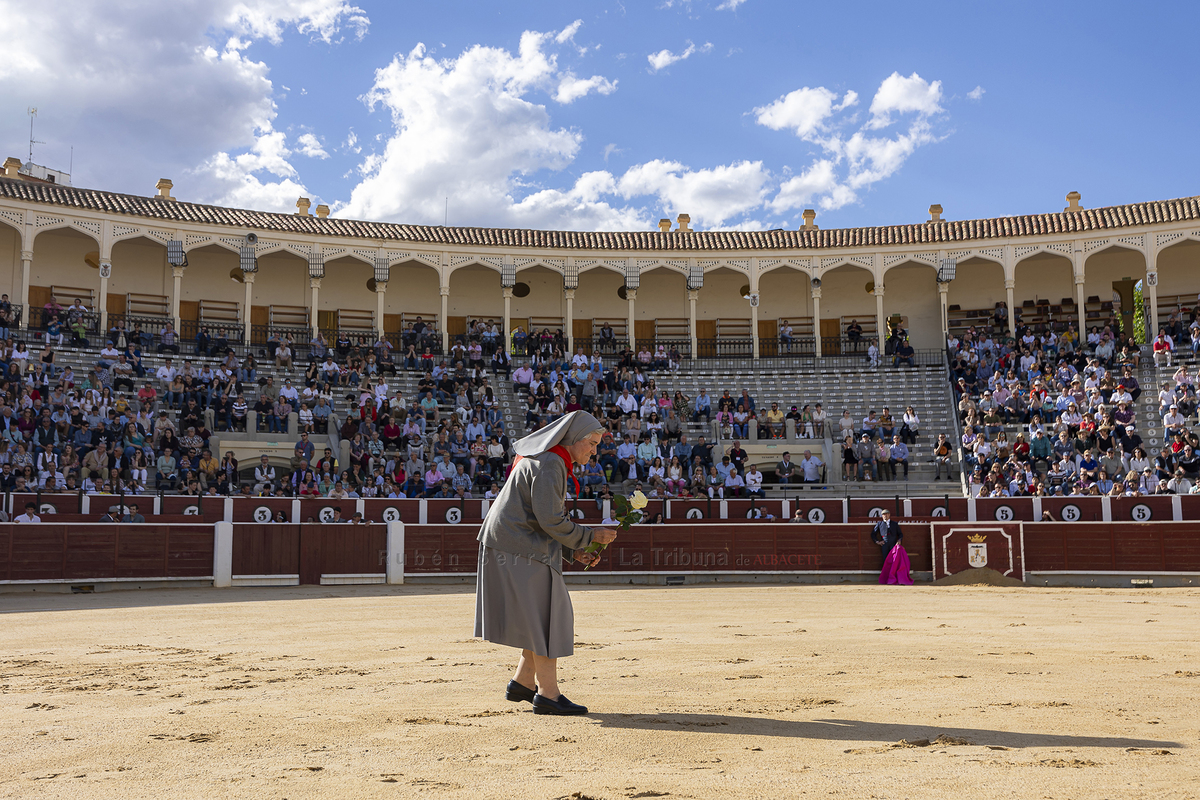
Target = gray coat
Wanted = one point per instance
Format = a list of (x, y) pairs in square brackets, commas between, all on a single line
[(529, 517)]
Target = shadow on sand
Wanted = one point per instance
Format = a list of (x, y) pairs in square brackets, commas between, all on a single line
[(57, 600), (850, 730)]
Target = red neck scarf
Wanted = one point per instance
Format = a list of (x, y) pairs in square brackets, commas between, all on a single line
[(562, 453)]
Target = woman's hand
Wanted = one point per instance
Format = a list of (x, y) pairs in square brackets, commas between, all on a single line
[(603, 535)]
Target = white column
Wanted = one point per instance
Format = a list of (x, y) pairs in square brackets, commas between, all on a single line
[(249, 278), (177, 275), (943, 288), (104, 297), (1009, 290), (632, 295), (880, 325), (445, 292), (816, 299), (693, 295), (1150, 287), (754, 308), (315, 285), (26, 265), (506, 334), (570, 324), (380, 297), (1079, 298)]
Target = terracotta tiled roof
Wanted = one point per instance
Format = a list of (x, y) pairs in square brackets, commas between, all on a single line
[(1090, 220)]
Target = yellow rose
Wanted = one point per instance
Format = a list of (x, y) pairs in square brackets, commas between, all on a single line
[(638, 501)]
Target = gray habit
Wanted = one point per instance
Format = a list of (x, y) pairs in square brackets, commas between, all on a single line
[(520, 599)]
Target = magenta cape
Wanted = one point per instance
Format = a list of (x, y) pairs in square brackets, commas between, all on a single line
[(896, 567)]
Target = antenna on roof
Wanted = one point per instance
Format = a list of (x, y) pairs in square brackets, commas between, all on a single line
[(446, 221), (32, 114)]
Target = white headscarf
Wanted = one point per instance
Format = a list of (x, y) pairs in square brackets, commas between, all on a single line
[(568, 429)]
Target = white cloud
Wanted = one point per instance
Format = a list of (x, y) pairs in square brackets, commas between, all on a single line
[(801, 190), (568, 33), (571, 88), (850, 164), (804, 110), (311, 146), (321, 19), (665, 58), (898, 94), (173, 93), (730, 5), (710, 196), (468, 128), (976, 93)]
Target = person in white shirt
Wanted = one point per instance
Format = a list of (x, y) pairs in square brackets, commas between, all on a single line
[(1174, 422), (290, 392), (873, 352), (166, 373), (627, 402), (754, 481), (810, 465), (30, 515), (734, 484)]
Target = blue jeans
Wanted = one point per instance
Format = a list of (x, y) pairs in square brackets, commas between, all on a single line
[(250, 375)]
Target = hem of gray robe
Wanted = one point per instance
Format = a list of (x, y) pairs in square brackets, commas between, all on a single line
[(521, 602)]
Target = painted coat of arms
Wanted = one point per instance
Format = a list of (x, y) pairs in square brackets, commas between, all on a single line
[(977, 550)]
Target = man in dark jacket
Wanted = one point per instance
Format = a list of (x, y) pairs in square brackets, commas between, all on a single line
[(886, 532)]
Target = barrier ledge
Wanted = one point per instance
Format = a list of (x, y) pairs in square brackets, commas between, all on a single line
[(1111, 580)]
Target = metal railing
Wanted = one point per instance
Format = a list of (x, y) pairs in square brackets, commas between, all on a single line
[(39, 320), (741, 347), (149, 335), (231, 332), (684, 345)]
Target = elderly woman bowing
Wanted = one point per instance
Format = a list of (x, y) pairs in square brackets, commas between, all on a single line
[(521, 600)]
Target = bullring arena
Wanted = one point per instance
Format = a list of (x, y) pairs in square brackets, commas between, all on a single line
[(232, 636)]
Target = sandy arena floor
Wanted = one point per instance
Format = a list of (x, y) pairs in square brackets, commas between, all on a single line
[(706, 692)]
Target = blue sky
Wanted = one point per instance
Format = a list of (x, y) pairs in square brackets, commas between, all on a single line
[(610, 115)]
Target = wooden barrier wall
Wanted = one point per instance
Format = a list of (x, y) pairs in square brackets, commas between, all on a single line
[(105, 552), (814, 507), (317, 553)]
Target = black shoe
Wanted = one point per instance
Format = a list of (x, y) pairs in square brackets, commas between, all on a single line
[(518, 693), (562, 706)]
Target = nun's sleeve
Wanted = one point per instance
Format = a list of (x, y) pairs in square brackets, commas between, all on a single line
[(547, 494)]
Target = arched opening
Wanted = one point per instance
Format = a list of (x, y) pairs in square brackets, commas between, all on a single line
[(140, 289), (542, 311), (661, 310), (846, 299), (723, 315), (64, 269), (1178, 282), (1110, 279), (911, 301), (785, 297), (1043, 287), (599, 301), (347, 303), (213, 292), (285, 298), (10, 261), (973, 294), (413, 295), (475, 294)]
